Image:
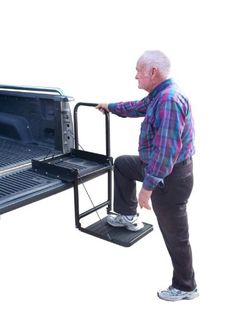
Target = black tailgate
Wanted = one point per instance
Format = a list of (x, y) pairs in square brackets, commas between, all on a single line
[(25, 186)]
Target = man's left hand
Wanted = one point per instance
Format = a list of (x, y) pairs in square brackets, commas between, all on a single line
[(143, 198)]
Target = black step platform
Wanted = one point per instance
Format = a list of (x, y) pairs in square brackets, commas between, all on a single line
[(118, 235), (78, 164)]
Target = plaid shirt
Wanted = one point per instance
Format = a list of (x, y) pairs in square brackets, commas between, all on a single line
[(167, 132)]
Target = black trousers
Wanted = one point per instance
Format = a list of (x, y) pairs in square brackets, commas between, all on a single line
[(169, 204)]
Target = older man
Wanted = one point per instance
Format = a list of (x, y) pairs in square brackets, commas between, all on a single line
[(164, 165)]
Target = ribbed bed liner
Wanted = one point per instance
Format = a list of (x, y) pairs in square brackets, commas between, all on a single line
[(22, 183), (13, 153)]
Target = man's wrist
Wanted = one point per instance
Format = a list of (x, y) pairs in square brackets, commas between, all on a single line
[(150, 183)]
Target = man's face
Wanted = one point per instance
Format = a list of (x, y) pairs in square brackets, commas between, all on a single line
[(143, 76)]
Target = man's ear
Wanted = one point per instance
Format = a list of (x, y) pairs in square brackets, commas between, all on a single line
[(154, 71)]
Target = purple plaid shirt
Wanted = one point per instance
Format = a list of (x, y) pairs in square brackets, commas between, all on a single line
[(167, 131)]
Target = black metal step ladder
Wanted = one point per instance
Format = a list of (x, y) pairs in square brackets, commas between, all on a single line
[(101, 228), (68, 168)]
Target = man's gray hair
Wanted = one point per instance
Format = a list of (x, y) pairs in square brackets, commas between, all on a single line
[(156, 59)]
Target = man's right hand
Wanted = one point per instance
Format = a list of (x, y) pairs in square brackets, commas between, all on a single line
[(102, 107)]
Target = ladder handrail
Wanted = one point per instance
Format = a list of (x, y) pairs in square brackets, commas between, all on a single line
[(107, 121)]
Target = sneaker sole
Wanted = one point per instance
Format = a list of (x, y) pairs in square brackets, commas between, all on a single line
[(180, 298), (135, 228)]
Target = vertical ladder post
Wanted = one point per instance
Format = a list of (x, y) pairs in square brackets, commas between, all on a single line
[(76, 203), (108, 154)]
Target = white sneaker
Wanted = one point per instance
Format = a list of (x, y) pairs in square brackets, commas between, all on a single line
[(173, 294), (131, 223)]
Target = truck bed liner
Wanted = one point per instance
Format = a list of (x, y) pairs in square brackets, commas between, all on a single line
[(14, 153)]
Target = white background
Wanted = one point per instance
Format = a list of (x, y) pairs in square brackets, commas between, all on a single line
[(89, 49)]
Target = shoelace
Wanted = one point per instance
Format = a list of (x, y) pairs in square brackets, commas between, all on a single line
[(173, 291), (176, 292)]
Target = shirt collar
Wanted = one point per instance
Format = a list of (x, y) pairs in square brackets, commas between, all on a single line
[(160, 87)]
